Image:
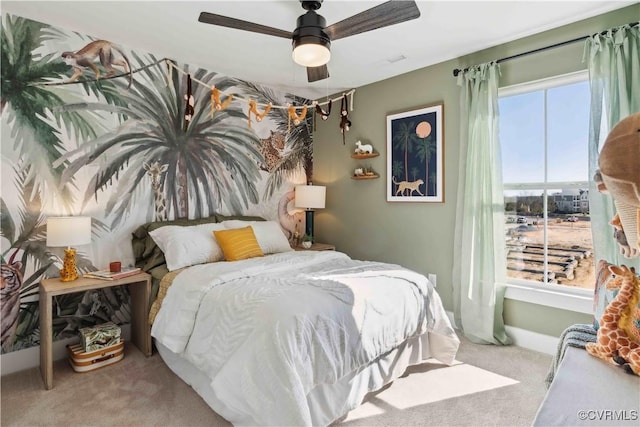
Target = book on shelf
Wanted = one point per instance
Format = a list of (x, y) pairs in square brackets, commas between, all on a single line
[(108, 275)]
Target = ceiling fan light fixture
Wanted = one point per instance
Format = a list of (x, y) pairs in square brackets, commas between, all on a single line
[(311, 54)]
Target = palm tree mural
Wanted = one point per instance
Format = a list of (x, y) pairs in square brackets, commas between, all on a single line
[(211, 163), (34, 93), (300, 153), (405, 138), (28, 253), (33, 108)]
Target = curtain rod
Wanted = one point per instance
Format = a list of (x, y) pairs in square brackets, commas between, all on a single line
[(553, 46)]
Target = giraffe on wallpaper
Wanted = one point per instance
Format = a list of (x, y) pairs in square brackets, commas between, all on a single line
[(155, 171)]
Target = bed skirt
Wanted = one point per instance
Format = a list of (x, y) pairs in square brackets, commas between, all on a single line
[(329, 402)]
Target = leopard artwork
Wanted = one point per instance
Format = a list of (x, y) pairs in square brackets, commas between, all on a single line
[(408, 185), (69, 272), (10, 300), (271, 149)]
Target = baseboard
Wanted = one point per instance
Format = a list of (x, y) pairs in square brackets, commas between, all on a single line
[(30, 357), (526, 339), (533, 340)]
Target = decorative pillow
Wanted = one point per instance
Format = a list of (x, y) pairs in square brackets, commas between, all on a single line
[(185, 246), (146, 251), (270, 236), (238, 243)]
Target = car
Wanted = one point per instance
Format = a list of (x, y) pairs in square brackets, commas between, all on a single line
[(572, 219), (522, 220)]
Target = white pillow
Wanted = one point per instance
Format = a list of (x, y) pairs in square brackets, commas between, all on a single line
[(269, 235), (190, 245)]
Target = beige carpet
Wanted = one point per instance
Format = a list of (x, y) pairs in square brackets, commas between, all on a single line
[(490, 385)]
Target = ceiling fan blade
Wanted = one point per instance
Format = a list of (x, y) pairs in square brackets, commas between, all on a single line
[(225, 21), (383, 15), (317, 73)]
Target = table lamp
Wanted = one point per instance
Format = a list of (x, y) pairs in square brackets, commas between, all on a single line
[(310, 197), (68, 231)]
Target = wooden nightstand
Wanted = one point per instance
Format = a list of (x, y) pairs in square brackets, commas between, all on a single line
[(317, 247), (140, 291)]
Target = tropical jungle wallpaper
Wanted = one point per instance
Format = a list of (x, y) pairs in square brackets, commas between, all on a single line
[(82, 136)]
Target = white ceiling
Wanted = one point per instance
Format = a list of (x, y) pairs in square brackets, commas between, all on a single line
[(445, 30)]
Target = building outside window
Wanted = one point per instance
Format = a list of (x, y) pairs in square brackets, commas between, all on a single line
[(544, 129)]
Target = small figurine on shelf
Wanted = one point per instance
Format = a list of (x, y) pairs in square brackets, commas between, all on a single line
[(363, 148), (358, 172), (368, 171)]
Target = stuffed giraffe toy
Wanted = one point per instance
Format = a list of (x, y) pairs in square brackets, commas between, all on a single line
[(616, 343)]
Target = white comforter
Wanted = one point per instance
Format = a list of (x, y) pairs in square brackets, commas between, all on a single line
[(268, 330)]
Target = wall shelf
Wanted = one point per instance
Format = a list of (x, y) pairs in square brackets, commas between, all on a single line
[(374, 176), (364, 156)]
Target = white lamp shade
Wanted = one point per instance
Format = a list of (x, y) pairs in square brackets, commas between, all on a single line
[(68, 231), (310, 196), (311, 55)]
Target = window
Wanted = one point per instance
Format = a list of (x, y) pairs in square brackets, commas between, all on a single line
[(544, 129)]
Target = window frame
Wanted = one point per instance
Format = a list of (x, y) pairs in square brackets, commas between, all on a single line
[(563, 297)]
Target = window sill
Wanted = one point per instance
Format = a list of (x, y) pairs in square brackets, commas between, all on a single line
[(579, 300)]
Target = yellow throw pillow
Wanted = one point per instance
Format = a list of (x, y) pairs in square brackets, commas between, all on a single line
[(239, 243)]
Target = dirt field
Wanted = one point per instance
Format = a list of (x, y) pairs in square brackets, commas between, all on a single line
[(568, 235)]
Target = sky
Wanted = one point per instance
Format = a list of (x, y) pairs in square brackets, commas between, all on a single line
[(522, 135)]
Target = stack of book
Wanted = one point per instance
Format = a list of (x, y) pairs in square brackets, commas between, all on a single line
[(108, 275)]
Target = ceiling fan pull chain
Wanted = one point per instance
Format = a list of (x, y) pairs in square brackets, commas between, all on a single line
[(216, 105), (253, 108), (345, 123), (189, 107)]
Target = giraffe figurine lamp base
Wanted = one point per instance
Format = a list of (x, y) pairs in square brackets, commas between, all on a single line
[(69, 272)]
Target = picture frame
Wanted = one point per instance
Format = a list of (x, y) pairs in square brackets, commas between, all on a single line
[(415, 155)]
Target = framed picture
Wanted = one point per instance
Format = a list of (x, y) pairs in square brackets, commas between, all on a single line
[(415, 166)]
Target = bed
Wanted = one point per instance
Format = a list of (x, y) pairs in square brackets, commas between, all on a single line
[(290, 337)]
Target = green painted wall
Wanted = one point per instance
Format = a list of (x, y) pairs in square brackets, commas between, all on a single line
[(360, 222)]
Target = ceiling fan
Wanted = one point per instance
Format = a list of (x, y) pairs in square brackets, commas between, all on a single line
[(312, 38)]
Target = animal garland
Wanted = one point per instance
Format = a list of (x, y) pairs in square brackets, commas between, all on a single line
[(216, 104), (324, 115), (345, 123), (253, 109), (297, 118), (189, 109)]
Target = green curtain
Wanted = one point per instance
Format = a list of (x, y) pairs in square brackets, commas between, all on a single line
[(614, 72), (479, 255)]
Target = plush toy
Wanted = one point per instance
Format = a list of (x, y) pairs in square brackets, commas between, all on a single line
[(363, 148), (619, 175), (345, 123), (617, 341)]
